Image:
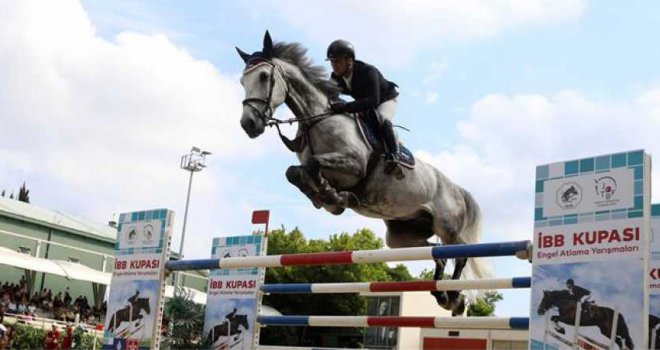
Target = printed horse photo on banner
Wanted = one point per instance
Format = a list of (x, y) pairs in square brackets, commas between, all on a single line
[(135, 314), (654, 322), (341, 169), (227, 324), (594, 306)]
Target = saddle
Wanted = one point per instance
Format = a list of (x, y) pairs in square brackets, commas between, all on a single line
[(371, 136)]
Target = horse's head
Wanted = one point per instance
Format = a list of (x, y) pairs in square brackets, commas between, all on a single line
[(546, 303), (143, 303), (265, 88), (242, 321)]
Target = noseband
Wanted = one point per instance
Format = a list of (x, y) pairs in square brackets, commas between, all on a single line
[(265, 114)]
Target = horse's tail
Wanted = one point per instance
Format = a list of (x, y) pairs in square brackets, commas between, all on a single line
[(477, 268)]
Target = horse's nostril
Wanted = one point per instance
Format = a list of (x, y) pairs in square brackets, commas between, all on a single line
[(248, 124)]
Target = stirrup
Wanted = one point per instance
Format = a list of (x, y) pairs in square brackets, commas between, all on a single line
[(393, 167)]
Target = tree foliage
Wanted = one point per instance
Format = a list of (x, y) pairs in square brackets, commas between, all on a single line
[(281, 242), (24, 194), (484, 306), (186, 322)]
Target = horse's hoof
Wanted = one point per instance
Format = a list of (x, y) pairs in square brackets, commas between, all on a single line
[(349, 199), (442, 299), (335, 210), (560, 330), (458, 307)]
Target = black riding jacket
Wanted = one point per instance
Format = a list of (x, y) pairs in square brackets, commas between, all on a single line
[(368, 88), (579, 292)]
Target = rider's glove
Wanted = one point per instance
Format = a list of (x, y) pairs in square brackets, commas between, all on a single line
[(338, 106)]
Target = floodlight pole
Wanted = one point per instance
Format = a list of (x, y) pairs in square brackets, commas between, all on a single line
[(192, 162)]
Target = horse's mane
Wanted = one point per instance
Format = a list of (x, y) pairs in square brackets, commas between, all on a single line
[(558, 292), (294, 53)]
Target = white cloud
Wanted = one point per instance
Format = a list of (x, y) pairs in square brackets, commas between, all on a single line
[(99, 126), (505, 137), (431, 97), (395, 30), (435, 71)]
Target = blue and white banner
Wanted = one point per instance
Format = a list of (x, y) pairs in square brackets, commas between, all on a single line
[(137, 288), (232, 296), (591, 234), (654, 279)]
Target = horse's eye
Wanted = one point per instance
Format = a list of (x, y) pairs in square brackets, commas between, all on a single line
[(263, 76)]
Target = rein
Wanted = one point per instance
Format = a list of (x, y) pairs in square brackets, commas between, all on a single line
[(266, 114)]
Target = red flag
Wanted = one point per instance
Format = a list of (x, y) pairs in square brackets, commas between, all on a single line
[(260, 216)]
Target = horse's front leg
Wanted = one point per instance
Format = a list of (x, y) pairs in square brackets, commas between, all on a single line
[(335, 169), (555, 320), (311, 180), (313, 189)]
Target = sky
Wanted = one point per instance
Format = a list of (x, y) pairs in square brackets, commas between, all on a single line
[(100, 99)]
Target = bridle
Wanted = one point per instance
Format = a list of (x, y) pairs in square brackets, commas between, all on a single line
[(266, 113)]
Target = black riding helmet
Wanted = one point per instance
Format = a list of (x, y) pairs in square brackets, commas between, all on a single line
[(570, 282), (340, 48)]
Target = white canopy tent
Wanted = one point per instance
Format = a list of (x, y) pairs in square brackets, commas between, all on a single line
[(75, 271), (68, 269)]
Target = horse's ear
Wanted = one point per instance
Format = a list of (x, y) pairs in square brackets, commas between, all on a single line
[(243, 55), (268, 45)]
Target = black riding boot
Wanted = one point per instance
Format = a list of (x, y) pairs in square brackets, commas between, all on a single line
[(392, 165)]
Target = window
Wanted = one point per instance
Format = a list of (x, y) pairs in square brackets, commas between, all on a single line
[(509, 345), (382, 337), (24, 250)]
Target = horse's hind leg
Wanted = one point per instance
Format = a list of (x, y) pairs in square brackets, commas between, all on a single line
[(449, 234), (415, 233)]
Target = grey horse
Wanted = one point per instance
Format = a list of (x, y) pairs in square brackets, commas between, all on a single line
[(339, 170)]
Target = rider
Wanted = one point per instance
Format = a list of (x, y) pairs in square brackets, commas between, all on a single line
[(133, 298), (580, 295), (231, 314), (370, 91)]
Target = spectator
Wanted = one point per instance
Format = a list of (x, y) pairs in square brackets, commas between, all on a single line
[(10, 334), (52, 340), (11, 307), (4, 340), (21, 308), (67, 297), (27, 317), (57, 301), (68, 338)]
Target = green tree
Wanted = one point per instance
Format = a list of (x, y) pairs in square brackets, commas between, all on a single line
[(281, 242), (484, 306), (24, 194), (186, 322)]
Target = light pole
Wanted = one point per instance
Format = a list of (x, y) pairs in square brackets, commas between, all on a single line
[(193, 162)]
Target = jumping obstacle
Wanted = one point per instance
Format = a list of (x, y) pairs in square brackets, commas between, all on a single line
[(520, 249), (421, 286), (398, 321), (477, 250)]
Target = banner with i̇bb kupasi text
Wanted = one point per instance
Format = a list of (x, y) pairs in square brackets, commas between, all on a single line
[(137, 288), (590, 251)]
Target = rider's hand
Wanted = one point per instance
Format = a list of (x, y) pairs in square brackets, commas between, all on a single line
[(338, 106)]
